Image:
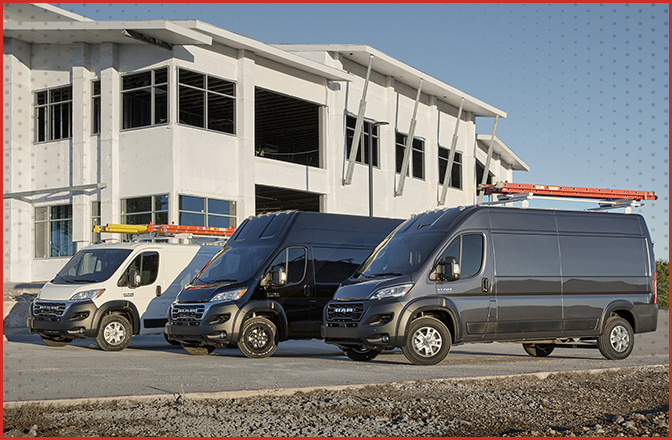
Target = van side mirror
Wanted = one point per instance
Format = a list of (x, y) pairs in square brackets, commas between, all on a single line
[(134, 279), (447, 270), (275, 277)]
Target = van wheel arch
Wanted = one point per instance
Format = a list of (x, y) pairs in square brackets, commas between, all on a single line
[(445, 315), (270, 310), (125, 308), (619, 309)]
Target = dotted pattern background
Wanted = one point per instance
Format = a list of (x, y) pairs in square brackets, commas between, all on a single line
[(585, 86)]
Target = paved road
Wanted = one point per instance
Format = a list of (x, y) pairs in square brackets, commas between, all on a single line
[(33, 371)]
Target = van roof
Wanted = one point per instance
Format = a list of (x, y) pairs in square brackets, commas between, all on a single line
[(313, 227), (133, 245)]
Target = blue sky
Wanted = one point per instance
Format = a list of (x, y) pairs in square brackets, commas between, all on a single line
[(585, 86)]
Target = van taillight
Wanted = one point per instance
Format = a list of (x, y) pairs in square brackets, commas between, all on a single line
[(655, 288)]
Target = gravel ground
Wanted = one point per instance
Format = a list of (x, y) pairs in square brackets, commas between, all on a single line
[(624, 402)]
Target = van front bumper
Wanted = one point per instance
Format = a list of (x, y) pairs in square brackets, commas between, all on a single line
[(70, 319), (362, 323), (211, 324)]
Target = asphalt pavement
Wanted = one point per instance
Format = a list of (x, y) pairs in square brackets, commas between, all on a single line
[(150, 366)]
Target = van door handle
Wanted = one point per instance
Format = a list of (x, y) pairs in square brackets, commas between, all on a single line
[(306, 290), (158, 291), (485, 285)]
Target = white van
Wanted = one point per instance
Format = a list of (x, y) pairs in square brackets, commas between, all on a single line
[(113, 291)]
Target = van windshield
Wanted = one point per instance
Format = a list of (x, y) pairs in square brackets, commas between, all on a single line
[(400, 255), (91, 266), (233, 264)]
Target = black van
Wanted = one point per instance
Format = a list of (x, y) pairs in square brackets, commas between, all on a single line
[(544, 278), (272, 281)]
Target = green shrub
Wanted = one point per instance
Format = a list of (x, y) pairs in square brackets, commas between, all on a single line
[(663, 279)]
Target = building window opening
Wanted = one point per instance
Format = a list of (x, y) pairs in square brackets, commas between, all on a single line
[(416, 161), (145, 99), (480, 169), (286, 128), (145, 210), (207, 102), (201, 211), (95, 107), (53, 114), (456, 172), (53, 232), (363, 151), (272, 199)]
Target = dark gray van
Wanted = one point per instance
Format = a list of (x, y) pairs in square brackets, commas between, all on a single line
[(272, 281), (544, 278)]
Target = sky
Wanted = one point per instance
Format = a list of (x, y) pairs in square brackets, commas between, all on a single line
[(585, 85)]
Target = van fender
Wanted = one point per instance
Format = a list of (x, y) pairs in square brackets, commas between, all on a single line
[(120, 305), (261, 307), (625, 309), (441, 306)]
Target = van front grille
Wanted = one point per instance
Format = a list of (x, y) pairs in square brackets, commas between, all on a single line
[(345, 312), (49, 309), (187, 312)]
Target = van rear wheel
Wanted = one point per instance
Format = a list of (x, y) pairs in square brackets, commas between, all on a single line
[(198, 350), (361, 354), (427, 342), (56, 341), (115, 333), (258, 338), (617, 340), (538, 350)]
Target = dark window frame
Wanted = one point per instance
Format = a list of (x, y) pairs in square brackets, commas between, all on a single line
[(210, 95), (363, 156), (207, 212), (145, 99), (95, 107), (417, 171), (48, 221), (456, 174), (53, 114)]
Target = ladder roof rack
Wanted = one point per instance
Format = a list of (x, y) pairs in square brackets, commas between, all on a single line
[(607, 198)]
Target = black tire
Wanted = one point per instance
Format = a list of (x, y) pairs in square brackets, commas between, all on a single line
[(170, 341), (258, 338), (56, 341), (427, 341), (617, 339), (115, 333), (361, 354), (538, 350), (198, 350)]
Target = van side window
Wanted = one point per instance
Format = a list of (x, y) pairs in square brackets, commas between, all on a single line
[(147, 263), (468, 251), (333, 265), (293, 260)]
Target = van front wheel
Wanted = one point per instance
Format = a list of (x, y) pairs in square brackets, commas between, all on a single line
[(617, 340), (427, 341), (538, 350), (115, 333), (361, 354), (258, 338)]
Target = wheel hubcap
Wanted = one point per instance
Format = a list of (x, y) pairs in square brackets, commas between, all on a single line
[(257, 338), (620, 338), (427, 342), (114, 333)]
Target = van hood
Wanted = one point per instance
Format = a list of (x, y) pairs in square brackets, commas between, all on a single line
[(63, 292), (352, 289), (191, 294)]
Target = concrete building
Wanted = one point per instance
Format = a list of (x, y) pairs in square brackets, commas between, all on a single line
[(183, 122)]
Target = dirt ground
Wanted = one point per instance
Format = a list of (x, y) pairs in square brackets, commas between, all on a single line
[(631, 402)]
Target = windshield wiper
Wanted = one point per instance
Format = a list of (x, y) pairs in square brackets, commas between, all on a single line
[(384, 274), (64, 280), (223, 280)]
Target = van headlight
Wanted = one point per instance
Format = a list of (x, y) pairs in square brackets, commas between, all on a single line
[(391, 292), (229, 295), (87, 294)]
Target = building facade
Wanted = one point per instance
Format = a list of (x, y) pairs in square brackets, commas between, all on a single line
[(186, 123)]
